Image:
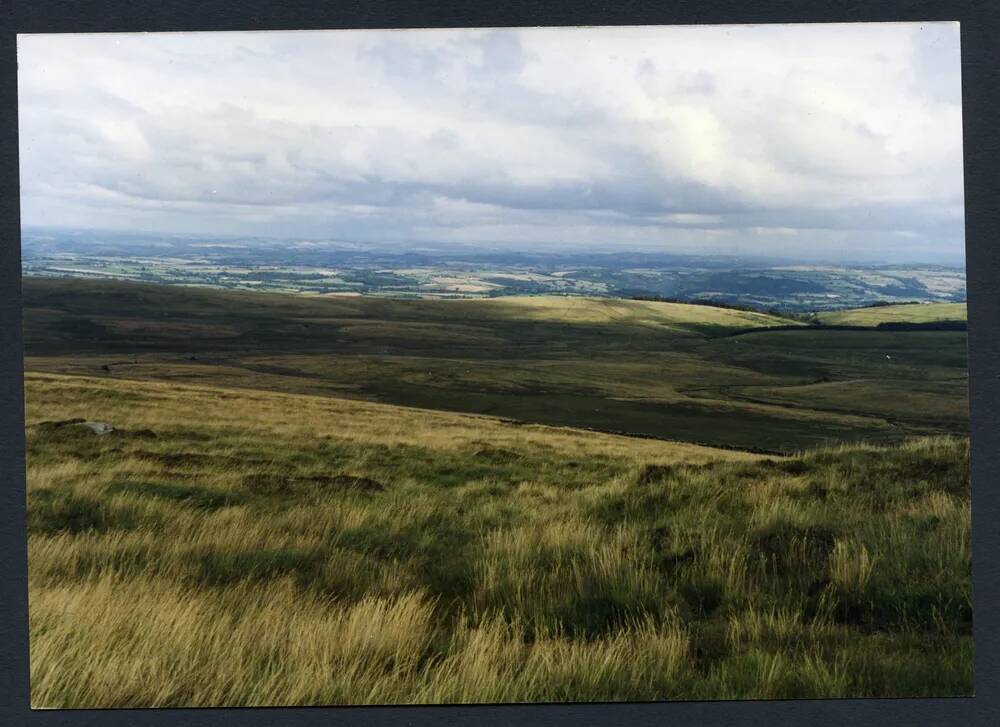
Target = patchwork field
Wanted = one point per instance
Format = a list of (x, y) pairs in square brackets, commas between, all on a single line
[(446, 271), (260, 499)]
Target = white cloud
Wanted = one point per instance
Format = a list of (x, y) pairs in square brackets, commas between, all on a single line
[(663, 138)]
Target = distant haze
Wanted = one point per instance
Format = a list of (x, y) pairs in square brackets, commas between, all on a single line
[(835, 142)]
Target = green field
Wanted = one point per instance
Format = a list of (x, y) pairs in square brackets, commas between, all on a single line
[(309, 501)]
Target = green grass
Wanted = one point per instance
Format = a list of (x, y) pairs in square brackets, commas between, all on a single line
[(905, 313), (235, 559)]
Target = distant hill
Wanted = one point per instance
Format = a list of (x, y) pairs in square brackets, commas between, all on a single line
[(324, 268), (242, 311), (584, 310), (888, 314)]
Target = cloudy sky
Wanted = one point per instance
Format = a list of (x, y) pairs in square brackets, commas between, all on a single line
[(822, 141)]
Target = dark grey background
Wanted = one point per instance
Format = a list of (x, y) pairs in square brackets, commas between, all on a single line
[(980, 79)]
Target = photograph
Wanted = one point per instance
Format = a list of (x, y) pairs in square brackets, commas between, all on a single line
[(498, 365)]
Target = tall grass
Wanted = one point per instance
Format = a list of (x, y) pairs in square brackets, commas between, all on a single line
[(296, 550)]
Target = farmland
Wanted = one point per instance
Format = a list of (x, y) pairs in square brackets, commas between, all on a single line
[(325, 267)]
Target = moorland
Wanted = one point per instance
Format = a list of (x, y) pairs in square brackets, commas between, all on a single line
[(696, 373), (329, 500)]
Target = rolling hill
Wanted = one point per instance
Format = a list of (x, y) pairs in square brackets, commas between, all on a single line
[(665, 370), (908, 313)]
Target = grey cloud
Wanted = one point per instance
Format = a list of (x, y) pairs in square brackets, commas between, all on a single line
[(610, 137)]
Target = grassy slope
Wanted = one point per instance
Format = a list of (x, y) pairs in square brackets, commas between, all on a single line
[(223, 562), (623, 312), (97, 297), (906, 313), (642, 367)]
